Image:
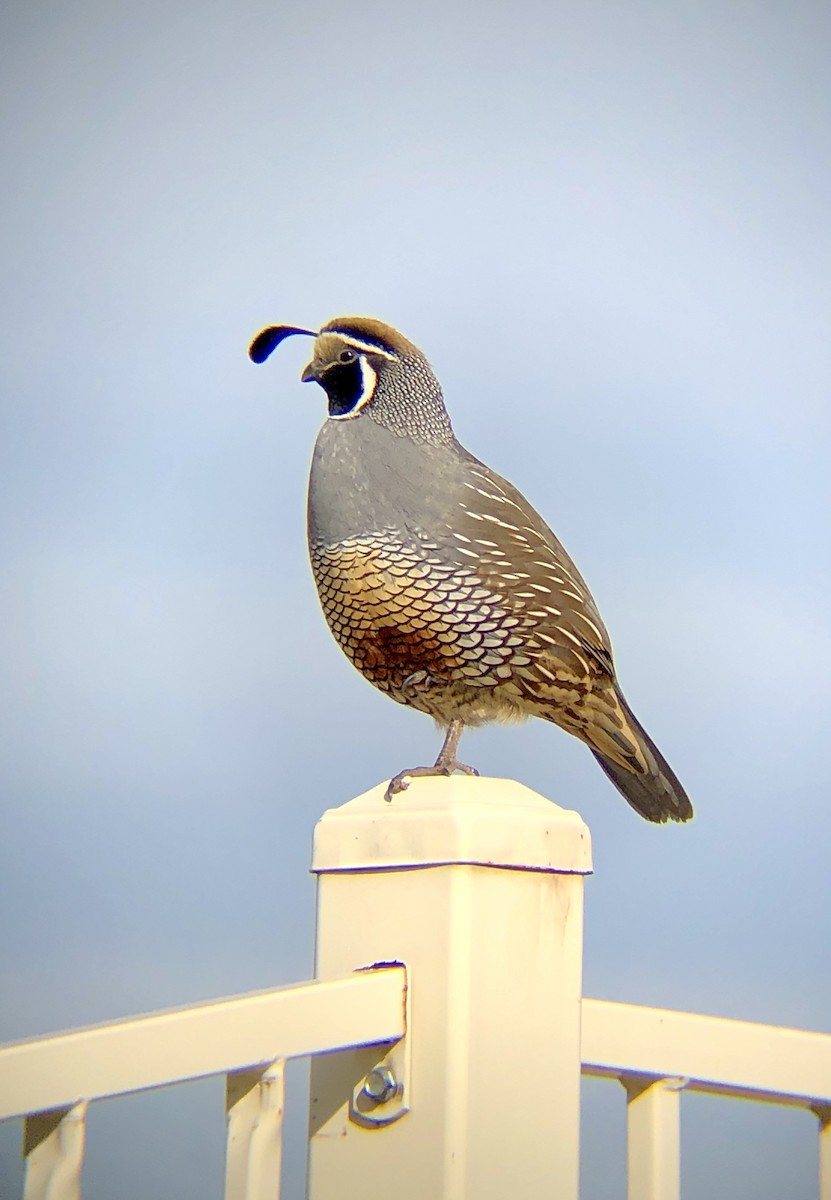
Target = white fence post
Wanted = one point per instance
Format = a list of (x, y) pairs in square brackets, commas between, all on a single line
[(824, 1115), (53, 1143), (476, 885), (254, 1102), (653, 1118)]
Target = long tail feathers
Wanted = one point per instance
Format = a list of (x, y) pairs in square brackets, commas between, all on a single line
[(656, 795)]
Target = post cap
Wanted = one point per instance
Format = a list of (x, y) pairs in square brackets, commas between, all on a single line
[(439, 821)]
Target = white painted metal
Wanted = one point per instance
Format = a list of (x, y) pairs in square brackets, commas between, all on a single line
[(653, 1123), (463, 899), (210, 1039), (422, 827), (254, 1101), (396, 1065), (824, 1114), (714, 1054), (53, 1144), (478, 888)]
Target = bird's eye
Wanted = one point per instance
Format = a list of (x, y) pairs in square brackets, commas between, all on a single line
[(347, 356)]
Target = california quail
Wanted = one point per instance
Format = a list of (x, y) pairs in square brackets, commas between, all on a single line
[(438, 579)]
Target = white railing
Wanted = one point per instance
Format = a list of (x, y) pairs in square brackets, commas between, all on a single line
[(50, 1081), (449, 950), (656, 1054)]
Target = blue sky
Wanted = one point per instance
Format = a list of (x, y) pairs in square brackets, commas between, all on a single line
[(607, 226)]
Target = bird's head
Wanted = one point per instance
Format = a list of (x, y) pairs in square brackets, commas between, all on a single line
[(368, 368)]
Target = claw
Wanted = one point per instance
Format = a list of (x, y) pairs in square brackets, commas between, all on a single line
[(398, 783), (445, 764)]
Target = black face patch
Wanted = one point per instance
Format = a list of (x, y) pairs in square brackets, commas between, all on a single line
[(344, 385)]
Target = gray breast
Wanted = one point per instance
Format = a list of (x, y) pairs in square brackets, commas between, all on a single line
[(366, 478)]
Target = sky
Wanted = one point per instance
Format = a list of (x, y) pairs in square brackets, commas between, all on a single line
[(607, 227)]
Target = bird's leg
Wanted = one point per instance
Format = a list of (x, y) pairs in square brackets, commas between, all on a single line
[(445, 764)]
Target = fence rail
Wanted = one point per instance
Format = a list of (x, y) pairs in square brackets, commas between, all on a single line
[(181, 1044), (657, 1054), (711, 1054), (475, 885)]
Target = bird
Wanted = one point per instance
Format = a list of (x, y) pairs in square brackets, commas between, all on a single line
[(440, 581)]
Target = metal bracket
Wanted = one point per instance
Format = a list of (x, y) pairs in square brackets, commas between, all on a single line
[(383, 1095)]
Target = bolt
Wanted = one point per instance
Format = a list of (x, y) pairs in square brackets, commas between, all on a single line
[(380, 1085)]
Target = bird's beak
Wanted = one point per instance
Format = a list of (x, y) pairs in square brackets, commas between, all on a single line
[(309, 374)]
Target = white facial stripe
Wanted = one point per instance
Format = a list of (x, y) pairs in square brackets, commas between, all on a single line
[(369, 379), (366, 347)]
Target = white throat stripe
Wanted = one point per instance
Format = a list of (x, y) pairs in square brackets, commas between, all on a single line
[(369, 379)]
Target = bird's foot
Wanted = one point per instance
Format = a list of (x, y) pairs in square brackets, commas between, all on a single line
[(414, 681), (401, 781)]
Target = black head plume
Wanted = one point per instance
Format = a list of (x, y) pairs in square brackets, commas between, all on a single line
[(270, 338)]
